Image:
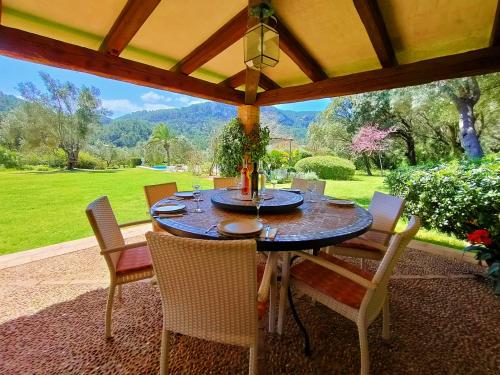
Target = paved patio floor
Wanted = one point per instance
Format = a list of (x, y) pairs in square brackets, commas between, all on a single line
[(445, 321)]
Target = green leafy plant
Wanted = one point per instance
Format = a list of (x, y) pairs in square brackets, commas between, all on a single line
[(456, 198), (486, 249), (235, 144), (327, 167)]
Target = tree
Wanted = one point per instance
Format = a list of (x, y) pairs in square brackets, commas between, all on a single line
[(370, 139), (67, 115), (162, 136), (465, 93)]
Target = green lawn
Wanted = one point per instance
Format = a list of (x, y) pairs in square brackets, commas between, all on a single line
[(43, 208)]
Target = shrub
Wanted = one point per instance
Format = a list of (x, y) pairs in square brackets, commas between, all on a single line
[(457, 197), (88, 161), (8, 158), (327, 167), (134, 162)]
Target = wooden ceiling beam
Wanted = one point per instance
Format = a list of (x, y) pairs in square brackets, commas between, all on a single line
[(372, 19), (291, 46), (495, 31), (35, 48), (128, 23), (465, 64), (267, 83), (226, 36), (252, 78), (239, 79)]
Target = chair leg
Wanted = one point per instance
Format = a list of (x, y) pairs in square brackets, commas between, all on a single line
[(272, 302), (119, 290), (109, 309), (386, 325), (165, 352), (253, 361), (285, 278), (363, 346)]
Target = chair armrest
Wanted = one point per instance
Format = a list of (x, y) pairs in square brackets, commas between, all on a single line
[(340, 270), (135, 223), (390, 232), (265, 284), (124, 247)]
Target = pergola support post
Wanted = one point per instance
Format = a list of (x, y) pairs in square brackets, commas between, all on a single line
[(249, 116)]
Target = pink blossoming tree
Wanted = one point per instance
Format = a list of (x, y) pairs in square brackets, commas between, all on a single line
[(368, 140)]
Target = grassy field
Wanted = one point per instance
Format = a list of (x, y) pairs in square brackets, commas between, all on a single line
[(44, 208)]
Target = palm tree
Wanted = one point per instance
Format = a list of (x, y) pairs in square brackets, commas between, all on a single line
[(162, 135)]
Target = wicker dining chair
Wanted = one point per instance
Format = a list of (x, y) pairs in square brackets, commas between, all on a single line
[(126, 262), (224, 182), (209, 291), (354, 293), (302, 184), (155, 193), (386, 211)]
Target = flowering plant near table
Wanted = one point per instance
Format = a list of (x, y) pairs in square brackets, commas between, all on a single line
[(487, 249)]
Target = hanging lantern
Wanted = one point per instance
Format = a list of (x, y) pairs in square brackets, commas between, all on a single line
[(262, 43)]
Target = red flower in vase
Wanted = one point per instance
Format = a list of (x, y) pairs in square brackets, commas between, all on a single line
[(480, 236)]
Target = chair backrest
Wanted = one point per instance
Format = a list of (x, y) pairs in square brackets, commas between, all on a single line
[(386, 210), (105, 227), (302, 184), (224, 182), (208, 288), (374, 299), (154, 193)]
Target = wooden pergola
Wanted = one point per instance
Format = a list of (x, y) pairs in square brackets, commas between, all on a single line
[(329, 47)]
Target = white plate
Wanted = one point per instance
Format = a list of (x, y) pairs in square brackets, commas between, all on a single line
[(174, 207), (341, 202), (240, 227), (184, 194)]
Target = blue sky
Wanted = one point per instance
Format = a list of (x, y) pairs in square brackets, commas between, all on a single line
[(118, 97)]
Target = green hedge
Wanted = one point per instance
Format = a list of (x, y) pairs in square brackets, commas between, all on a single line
[(327, 167), (8, 158), (456, 198)]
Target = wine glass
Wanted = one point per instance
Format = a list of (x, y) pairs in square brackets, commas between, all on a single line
[(311, 187), (197, 197), (274, 182), (257, 201)]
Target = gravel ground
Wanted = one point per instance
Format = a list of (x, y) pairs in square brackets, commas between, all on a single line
[(444, 321)]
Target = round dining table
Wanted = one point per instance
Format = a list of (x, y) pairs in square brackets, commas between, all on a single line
[(308, 226)]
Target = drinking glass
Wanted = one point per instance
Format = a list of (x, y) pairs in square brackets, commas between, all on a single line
[(274, 182), (197, 197), (257, 201), (311, 187)]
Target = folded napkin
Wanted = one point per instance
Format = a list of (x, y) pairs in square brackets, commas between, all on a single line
[(174, 198), (272, 233), (168, 215)]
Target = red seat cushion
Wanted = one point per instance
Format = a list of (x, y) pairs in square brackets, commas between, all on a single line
[(261, 305), (331, 283), (134, 259)]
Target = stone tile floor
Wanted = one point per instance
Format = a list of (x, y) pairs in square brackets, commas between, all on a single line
[(445, 321)]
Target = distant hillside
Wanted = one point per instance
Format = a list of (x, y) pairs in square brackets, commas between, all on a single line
[(198, 121), (8, 102)]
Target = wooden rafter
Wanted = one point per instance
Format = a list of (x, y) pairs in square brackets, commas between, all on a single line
[(128, 23), (495, 32), (227, 35), (252, 78), (370, 15), (470, 63), (267, 83), (32, 47), (239, 78), (291, 46)]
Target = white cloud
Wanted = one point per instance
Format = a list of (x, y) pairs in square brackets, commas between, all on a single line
[(120, 106), (197, 101), (156, 106), (152, 97), (184, 99)]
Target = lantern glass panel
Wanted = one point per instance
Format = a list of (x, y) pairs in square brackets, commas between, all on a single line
[(261, 45)]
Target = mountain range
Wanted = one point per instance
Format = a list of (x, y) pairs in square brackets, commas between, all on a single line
[(196, 122)]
